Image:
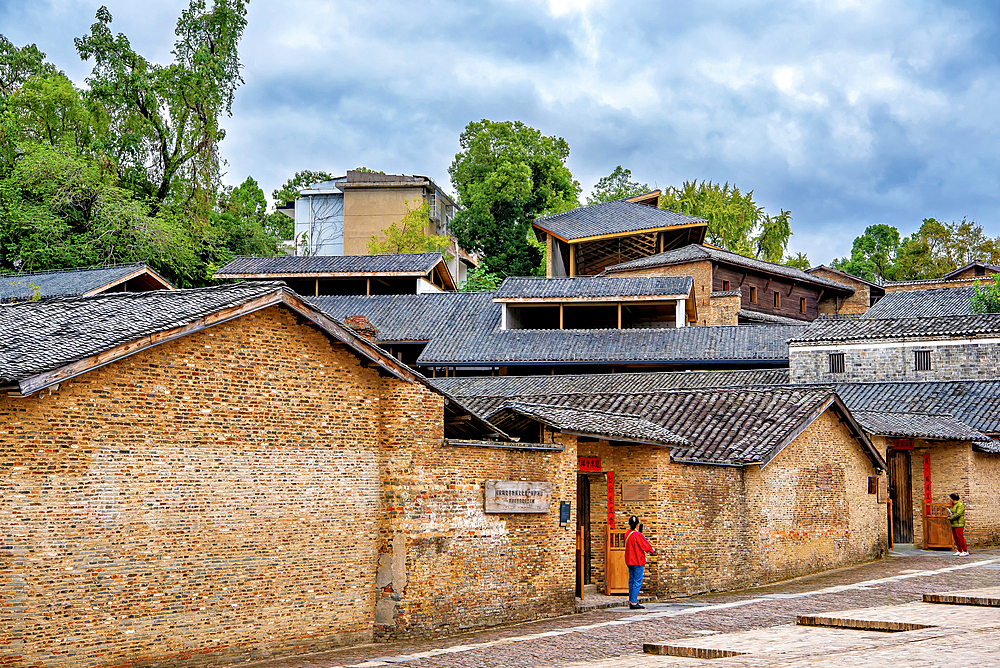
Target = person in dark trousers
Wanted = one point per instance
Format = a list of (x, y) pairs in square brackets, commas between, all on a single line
[(636, 547), (956, 513)]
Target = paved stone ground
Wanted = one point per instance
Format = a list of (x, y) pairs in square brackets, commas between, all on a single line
[(614, 637)]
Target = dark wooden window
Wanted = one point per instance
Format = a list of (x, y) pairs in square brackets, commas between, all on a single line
[(726, 286), (836, 362), (777, 299), (753, 295), (802, 304), (922, 360)]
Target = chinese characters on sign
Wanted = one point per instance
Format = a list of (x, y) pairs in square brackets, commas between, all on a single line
[(589, 464), (611, 499), (517, 496)]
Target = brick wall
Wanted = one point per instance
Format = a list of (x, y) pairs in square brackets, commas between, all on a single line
[(928, 284), (215, 496), (723, 527), (701, 272), (856, 303), (465, 569), (723, 310), (949, 361)]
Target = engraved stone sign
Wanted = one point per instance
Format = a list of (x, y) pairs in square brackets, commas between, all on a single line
[(518, 496), (632, 492)]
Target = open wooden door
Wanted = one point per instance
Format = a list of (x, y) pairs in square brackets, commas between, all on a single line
[(583, 529), (615, 570), (937, 526), (901, 495)]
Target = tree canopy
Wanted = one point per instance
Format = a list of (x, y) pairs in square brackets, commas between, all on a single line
[(735, 221), (986, 297), (616, 185), (128, 169), (506, 175)]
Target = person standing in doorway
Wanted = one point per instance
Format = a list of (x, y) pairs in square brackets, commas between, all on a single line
[(956, 513), (636, 547)]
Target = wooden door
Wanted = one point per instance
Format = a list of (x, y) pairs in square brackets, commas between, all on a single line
[(583, 523), (615, 570), (937, 526), (901, 494)]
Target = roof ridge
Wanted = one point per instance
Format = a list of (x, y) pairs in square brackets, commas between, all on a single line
[(169, 294), (96, 267)]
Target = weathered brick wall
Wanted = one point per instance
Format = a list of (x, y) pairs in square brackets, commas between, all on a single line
[(212, 497), (856, 303), (463, 568), (701, 272), (927, 285), (724, 309), (949, 361), (983, 500), (724, 527), (811, 505)]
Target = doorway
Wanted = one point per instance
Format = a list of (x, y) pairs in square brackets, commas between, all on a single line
[(583, 522), (901, 494)]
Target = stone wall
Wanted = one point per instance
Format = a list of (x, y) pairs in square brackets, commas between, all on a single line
[(950, 360), (720, 527), (214, 497), (465, 569)]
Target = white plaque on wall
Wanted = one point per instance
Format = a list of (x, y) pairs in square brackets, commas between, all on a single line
[(518, 496)]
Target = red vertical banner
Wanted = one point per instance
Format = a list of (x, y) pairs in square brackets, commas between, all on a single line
[(927, 477), (611, 499)]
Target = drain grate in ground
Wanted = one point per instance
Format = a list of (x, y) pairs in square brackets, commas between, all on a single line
[(991, 600), (687, 652), (860, 624)]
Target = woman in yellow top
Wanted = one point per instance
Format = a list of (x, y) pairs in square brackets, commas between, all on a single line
[(956, 513)]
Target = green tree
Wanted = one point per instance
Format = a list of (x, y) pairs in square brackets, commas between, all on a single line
[(480, 280), (241, 220), (617, 185), (735, 221), (17, 65), (164, 119), (287, 193), (799, 261), (873, 254), (986, 298), (410, 235), (506, 175)]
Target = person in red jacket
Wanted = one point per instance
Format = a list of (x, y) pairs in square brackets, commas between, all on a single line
[(636, 547)]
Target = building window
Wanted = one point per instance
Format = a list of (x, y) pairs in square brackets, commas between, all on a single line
[(753, 295), (802, 304), (922, 360), (777, 299), (836, 362), (432, 205), (726, 286)]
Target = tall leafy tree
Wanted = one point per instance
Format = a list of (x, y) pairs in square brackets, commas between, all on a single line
[(287, 193), (410, 235), (986, 297), (873, 254), (617, 185), (506, 175), (799, 261), (735, 221)]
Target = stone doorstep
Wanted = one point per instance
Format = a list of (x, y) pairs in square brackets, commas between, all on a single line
[(601, 602), (859, 624), (988, 597)]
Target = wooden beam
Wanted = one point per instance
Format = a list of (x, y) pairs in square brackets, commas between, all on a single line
[(572, 259), (317, 287), (560, 316), (616, 235), (619, 315), (368, 286)]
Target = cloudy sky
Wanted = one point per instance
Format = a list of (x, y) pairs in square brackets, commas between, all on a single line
[(848, 113)]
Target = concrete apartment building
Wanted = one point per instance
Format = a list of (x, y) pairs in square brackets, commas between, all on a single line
[(340, 216)]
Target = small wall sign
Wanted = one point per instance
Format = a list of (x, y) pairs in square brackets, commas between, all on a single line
[(518, 496), (635, 492), (589, 464), (564, 512)]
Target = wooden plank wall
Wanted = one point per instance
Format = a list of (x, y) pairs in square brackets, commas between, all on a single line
[(790, 292)]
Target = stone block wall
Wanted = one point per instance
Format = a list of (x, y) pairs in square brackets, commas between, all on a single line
[(465, 569), (210, 499), (950, 360)]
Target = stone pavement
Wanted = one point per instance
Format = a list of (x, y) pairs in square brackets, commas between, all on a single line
[(761, 620)]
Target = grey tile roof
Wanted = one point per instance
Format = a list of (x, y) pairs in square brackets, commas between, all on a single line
[(416, 264), (696, 252), (46, 335), (973, 402), (617, 217), (837, 329), (593, 286), (63, 282), (726, 293), (919, 303), (413, 317), (514, 386), (847, 277), (734, 426), (614, 426), (768, 318), (918, 425), (486, 344)]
